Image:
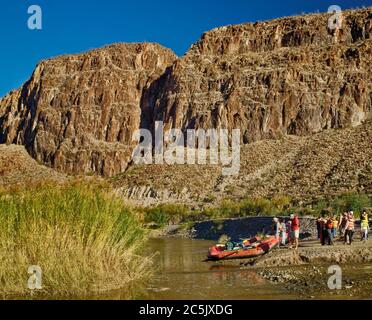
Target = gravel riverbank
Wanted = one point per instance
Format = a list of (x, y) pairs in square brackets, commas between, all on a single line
[(305, 271)]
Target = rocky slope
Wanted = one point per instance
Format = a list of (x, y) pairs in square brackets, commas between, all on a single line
[(306, 168), (288, 84), (17, 168)]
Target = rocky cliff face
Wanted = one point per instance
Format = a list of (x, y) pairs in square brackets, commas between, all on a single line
[(294, 76), (287, 76), (77, 113)]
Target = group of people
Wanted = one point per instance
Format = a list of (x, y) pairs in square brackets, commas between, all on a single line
[(287, 231), (331, 227)]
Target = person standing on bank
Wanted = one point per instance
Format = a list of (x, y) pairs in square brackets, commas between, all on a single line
[(329, 231), (335, 226), (283, 231), (318, 228), (295, 226), (323, 229), (364, 226), (276, 229), (350, 227), (343, 223)]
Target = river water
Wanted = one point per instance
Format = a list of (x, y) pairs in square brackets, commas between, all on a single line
[(182, 273)]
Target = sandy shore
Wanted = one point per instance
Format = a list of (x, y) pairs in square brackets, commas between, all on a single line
[(312, 252), (304, 272)]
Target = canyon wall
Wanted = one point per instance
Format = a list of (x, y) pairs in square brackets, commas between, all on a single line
[(287, 76), (77, 113), (290, 76)]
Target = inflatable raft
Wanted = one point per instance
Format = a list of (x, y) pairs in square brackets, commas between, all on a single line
[(247, 249)]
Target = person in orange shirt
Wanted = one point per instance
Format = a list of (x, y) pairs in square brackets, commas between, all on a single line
[(329, 231)]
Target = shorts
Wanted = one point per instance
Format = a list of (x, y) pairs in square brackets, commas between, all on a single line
[(296, 234)]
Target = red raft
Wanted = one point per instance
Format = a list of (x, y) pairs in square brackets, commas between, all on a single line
[(249, 249)]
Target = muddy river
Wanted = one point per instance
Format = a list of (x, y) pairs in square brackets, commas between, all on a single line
[(182, 273)]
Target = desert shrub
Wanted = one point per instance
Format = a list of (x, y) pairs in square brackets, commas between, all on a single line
[(257, 207), (281, 202), (351, 201), (167, 213), (229, 208)]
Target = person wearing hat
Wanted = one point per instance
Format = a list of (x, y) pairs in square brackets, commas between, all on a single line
[(276, 229), (283, 232)]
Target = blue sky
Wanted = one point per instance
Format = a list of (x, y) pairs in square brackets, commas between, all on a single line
[(72, 26)]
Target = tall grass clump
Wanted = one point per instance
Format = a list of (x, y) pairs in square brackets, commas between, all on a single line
[(84, 239)]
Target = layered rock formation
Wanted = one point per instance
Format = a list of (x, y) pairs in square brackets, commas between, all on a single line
[(77, 113), (287, 76), (292, 76)]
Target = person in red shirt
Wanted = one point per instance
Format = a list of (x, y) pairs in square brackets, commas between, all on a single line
[(295, 223)]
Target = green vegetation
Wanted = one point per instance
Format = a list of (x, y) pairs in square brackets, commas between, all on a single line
[(84, 239), (278, 205), (168, 214), (350, 201), (250, 207)]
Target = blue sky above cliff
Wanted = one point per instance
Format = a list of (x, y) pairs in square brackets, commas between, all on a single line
[(73, 26)]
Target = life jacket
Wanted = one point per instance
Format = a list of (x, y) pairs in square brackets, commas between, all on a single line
[(351, 223), (335, 223), (364, 224)]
